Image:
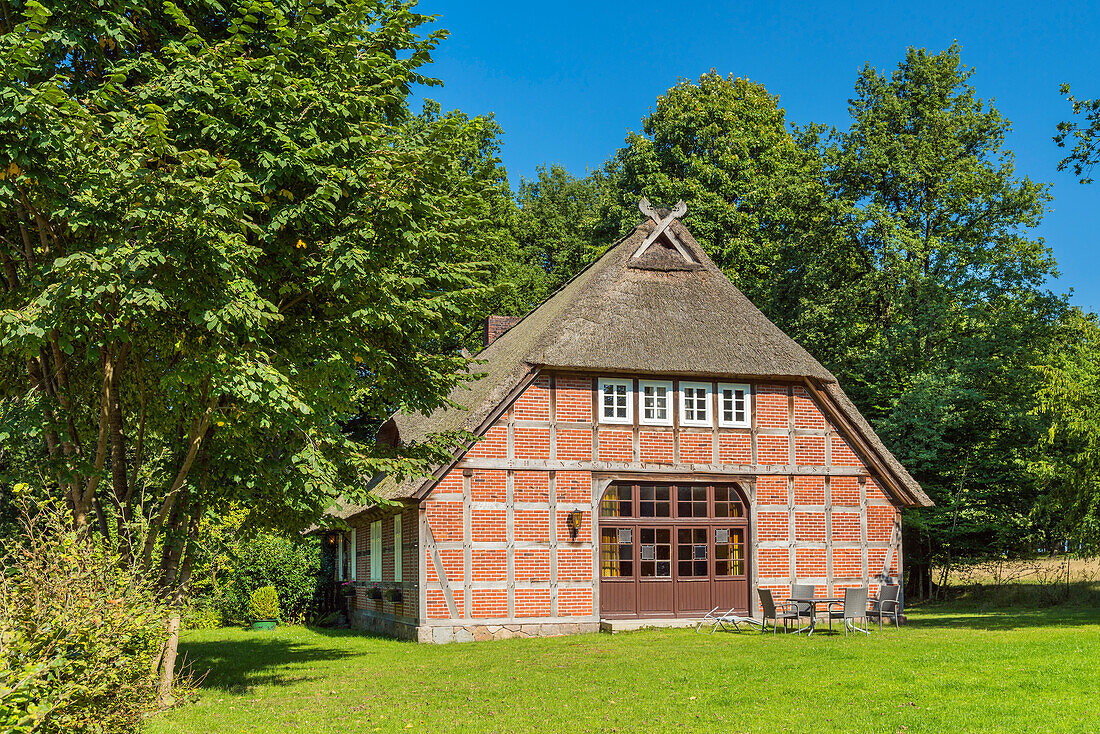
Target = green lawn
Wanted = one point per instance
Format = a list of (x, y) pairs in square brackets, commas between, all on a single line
[(945, 672)]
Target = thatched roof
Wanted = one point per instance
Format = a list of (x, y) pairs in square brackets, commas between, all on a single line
[(654, 314)]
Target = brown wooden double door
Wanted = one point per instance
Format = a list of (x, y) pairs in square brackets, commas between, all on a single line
[(672, 550)]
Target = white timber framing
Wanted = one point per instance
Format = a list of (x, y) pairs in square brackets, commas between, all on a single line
[(467, 543), (792, 553), (440, 572), (510, 514), (656, 468), (599, 486), (754, 533), (422, 564), (676, 422), (552, 490), (863, 560), (828, 536)]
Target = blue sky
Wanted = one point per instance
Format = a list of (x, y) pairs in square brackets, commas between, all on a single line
[(567, 80)]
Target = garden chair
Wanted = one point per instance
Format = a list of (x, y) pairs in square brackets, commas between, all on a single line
[(888, 604), (783, 612), (855, 608), (805, 610), (723, 620)]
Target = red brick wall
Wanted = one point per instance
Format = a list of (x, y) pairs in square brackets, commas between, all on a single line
[(553, 573)]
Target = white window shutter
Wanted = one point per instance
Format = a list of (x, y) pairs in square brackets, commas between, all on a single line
[(376, 550), (340, 557), (354, 557), (397, 548)]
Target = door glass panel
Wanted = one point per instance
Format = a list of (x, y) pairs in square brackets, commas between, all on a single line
[(691, 551), (691, 501), (617, 501), (727, 503), (616, 552), (654, 500), (729, 556), (657, 544)]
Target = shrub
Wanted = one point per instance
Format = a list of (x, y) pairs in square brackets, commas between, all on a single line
[(79, 633), (201, 617), (264, 603), (290, 565)]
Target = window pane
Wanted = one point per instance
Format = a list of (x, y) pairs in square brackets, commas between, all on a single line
[(654, 501), (655, 402), (616, 552), (617, 501), (691, 501), (727, 502), (656, 552), (691, 550), (729, 556), (696, 404)]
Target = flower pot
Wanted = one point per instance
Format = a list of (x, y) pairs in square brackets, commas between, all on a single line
[(264, 624)]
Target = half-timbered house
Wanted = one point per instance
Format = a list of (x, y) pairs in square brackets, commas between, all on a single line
[(650, 447)]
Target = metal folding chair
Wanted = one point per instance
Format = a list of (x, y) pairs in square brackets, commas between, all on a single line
[(724, 620)]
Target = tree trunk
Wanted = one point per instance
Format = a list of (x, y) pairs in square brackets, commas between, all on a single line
[(176, 574), (918, 581), (168, 661)]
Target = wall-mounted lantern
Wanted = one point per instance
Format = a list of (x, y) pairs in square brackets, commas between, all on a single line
[(573, 522)]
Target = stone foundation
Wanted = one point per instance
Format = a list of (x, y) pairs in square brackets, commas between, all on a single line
[(403, 628), (441, 634)]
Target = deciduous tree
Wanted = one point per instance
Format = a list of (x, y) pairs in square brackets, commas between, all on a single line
[(953, 306), (222, 237), (1084, 132)]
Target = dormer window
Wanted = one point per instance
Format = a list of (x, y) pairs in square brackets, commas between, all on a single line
[(656, 403), (616, 405), (734, 405), (695, 404)]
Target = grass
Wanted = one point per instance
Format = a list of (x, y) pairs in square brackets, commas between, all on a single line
[(948, 671)]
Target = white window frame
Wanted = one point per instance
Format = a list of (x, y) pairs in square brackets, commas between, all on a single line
[(617, 382), (353, 555), (376, 551), (670, 406), (706, 386), (722, 387), (398, 549), (340, 557)]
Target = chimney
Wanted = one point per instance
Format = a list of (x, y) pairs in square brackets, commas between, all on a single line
[(497, 325)]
